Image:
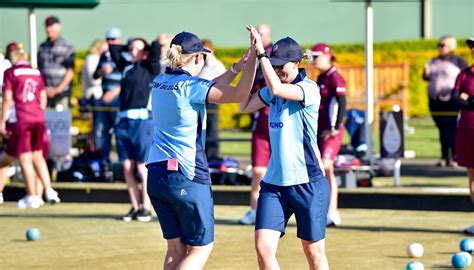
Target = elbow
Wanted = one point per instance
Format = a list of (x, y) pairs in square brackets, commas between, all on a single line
[(276, 91)]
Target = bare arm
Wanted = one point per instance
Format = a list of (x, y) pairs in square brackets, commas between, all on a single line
[(277, 88), (43, 99), (426, 72), (6, 106), (64, 83), (111, 94), (251, 104), (282, 90), (228, 76), (222, 93)]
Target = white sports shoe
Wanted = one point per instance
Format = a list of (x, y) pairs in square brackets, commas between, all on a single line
[(1, 198), (249, 218), (51, 196), (29, 202), (333, 219)]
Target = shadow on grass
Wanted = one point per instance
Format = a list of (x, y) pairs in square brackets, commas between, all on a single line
[(441, 266), (396, 229), (428, 170), (71, 216)]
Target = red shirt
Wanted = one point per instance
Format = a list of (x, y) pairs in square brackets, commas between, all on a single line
[(26, 84), (331, 84), (465, 84)]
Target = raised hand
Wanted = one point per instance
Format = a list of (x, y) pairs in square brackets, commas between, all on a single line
[(256, 40)]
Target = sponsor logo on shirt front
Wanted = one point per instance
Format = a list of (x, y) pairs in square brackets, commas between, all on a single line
[(276, 124)]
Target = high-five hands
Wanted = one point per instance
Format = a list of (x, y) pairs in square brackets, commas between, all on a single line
[(256, 40)]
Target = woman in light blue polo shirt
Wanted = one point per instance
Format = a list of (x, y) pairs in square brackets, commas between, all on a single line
[(295, 182), (179, 184)]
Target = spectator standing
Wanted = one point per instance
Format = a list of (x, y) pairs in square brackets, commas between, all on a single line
[(164, 39), (56, 59), (331, 113), (134, 129), (24, 103), (441, 72), (92, 87), (464, 95), (105, 112), (213, 68), (4, 65)]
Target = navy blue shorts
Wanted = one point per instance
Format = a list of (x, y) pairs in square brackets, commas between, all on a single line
[(133, 139), (309, 202), (185, 208)]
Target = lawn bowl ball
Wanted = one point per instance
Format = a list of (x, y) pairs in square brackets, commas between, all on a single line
[(415, 265), (467, 245), (33, 234), (461, 260), (415, 250)]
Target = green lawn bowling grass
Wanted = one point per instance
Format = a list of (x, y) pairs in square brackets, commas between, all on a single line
[(89, 236)]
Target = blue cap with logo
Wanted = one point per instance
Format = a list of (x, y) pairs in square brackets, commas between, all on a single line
[(189, 43), (284, 51)]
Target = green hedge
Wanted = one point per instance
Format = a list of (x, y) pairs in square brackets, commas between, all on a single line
[(417, 52)]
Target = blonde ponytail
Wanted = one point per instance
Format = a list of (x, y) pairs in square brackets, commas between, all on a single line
[(176, 57)]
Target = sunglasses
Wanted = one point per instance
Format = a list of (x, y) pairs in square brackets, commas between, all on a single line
[(110, 39), (278, 67), (441, 45)]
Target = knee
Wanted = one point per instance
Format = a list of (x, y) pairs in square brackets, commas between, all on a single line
[(316, 255), (177, 250), (38, 156), (204, 250), (264, 249)]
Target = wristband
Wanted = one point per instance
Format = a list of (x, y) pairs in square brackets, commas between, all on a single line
[(260, 56), (232, 69)]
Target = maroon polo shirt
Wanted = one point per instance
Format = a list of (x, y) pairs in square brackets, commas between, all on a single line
[(465, 84), (331, 84), (26, 84)]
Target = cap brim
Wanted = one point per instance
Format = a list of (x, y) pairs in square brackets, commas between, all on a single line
[(205, 50), (278, 62)]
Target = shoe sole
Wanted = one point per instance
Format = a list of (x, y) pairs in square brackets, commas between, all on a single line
[(144, 219), (127, 219)]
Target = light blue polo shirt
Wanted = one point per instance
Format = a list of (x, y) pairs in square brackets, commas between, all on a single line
[(293, 126), (179, 120)]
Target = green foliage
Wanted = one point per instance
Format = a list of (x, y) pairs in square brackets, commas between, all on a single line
[(416, 52)]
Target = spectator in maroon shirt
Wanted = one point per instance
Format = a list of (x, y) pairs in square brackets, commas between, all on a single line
[(24, 101), (464, 94), (331, 113)]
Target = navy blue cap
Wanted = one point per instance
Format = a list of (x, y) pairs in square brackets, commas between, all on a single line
[(284, 51), (189, 43)]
